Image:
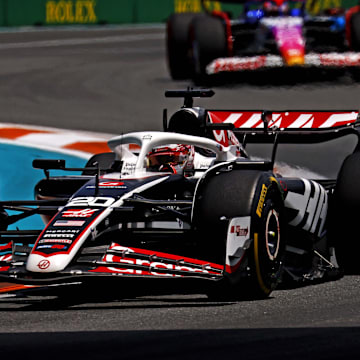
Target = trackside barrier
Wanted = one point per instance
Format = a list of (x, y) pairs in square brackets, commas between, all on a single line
[(3, 12), (91, 12)]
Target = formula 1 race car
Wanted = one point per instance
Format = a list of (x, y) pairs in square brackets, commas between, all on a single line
[(187, 209), (267, 35)]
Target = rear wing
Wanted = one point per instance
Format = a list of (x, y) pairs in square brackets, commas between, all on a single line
[(281, 127), (288, 126), (260, 126)]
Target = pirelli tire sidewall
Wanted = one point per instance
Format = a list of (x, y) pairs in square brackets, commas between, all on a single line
[(266, 253), (243, 193)]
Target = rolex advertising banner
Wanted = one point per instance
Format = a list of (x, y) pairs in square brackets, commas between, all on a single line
[(90, 12)]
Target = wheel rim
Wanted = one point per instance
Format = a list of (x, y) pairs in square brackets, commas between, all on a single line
[(272, 234)]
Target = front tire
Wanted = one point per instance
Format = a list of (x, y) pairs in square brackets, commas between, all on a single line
[(243, 193), (268, 252)]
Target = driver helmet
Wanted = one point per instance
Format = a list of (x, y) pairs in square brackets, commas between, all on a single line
[(175, 158)]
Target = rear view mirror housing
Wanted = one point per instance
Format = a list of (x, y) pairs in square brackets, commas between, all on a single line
[(48, 164)]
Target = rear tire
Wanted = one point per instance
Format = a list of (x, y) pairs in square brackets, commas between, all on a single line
[(344, 215), (177, 30), (244, 193), (355, 42), (355, 31), (208, 42)]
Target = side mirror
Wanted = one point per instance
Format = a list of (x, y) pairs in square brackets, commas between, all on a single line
[(46, 164)]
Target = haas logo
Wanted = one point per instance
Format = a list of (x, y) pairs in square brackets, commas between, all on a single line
[(220, 137), (79, 213), (43, 264), (111, 183)]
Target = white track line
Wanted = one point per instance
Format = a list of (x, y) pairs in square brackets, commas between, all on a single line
[(79, 41)]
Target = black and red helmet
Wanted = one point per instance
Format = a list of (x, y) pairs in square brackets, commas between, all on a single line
[(175, 158)]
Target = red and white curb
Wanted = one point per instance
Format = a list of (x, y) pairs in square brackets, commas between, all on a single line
[(79, 143)]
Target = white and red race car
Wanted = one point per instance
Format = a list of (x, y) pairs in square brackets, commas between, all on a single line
[(188, 209)]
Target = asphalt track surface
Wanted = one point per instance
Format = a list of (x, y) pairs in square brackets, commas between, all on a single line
[(112, 80)]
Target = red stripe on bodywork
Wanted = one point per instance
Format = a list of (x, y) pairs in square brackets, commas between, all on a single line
[(6, 246), (185, 264), (171, 257), (7, 287), (232, 64)]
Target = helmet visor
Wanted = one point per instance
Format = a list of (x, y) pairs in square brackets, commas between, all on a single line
[(163, 158)]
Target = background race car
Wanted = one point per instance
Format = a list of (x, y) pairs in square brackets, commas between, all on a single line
[(267, 35)]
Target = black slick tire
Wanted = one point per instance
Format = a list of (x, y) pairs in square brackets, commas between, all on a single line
[(355, 31), (208, 42), (344, 215), (177, 47), (242, 193)]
